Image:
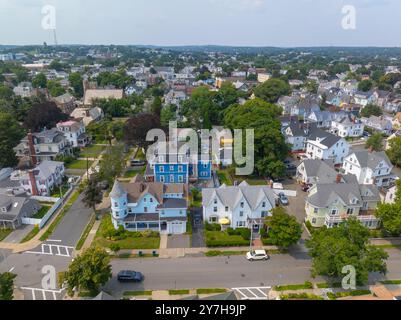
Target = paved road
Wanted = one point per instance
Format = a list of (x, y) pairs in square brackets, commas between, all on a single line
[(236, 271), (198, 240), (71, 227)]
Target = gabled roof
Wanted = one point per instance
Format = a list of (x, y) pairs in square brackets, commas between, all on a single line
[(323, 170), (371, 160), (231, 196)]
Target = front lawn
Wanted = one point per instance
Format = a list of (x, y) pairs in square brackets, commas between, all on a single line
[(133, 172), (223, 239), (4, 233), (79, 164), (127, 240), (42, 212), (294, 287), (56, 191), (92, 151)]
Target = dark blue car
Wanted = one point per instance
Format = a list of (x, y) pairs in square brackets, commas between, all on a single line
[(129, 276)]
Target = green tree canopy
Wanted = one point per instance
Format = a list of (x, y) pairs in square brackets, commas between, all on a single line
[(371, 110), (7, 286), (346, 245), (270, 146), (10, 135), (284, 230), (76, 83), (375, 142), (394, 152), (89, 271), (365, 85), (272, 90), (39, 81)]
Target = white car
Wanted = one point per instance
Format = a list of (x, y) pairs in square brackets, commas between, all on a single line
[(257, 255)]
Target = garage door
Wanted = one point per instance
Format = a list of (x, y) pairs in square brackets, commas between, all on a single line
[(176, 228)]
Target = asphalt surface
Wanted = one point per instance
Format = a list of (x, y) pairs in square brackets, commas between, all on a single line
[(71, 227)]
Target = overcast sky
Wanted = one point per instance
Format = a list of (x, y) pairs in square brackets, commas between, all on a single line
[(284, 23)]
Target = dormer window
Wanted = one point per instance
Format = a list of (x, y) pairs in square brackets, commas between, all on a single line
[(242, 204), (215, 201)]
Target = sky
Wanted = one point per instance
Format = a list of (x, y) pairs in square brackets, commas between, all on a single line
[(280, 23)]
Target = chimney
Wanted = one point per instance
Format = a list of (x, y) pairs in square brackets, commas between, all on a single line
[(32, 151), (33, 183), (339, 178)]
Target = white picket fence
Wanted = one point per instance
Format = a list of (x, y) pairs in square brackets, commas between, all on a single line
[(57, 203)]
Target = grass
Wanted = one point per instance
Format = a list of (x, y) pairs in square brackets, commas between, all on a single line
[(210, 291), (60, 216), (355, 293), (224, 178), (137, 293), (300, 296), (294, 287), (216, 253), (326, 285), (56, 191), (388, 246), (133, 172), (42, 212), (391, 282), (92, 151), (223, 239), (128, 243), (85, 234), (178, 292), (79, 164), (4, 233), (135, 256), (31, 234)]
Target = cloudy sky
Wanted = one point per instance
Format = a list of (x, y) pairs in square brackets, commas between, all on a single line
[(284, 23)]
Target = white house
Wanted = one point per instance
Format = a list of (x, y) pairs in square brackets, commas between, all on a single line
[(369, 167), (242, 206), (326, 146), (41, 180), (74, 131), (379, 124), (295, 135), (347, 126), (311, 171), (140, 206)]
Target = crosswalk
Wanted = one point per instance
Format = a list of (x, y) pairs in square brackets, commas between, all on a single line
[(42, 294), (54, 250), (253, 293)]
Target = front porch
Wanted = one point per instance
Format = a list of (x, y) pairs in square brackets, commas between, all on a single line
[(367, 218), (152, 222)]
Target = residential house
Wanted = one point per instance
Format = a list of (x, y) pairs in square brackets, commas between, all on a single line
[(364, 98), (330, 204), (96, 94), (311, 171), (369, 167), (393, 105), (380, 124), (14, 208), (391, 195), (45, 145), (396, 134), (296, 135), (304, 107), (397, 121), (241, 206), (88, 115), (326, 146), (140, 206), (24, 90), (381, 97), (75, 133), (65, 102), (323, 119), (347, 126)]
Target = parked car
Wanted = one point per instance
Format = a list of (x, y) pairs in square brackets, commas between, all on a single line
[(278, 186), (366, 134), (129, 276), (283, 199), (257, 255), (137, 163), (305, 188)]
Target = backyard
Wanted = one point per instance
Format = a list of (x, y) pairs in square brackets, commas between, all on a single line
[(92, 151), (107, 236), (79, 164), (42, 212)]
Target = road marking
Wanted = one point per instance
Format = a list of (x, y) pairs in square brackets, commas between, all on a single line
[(12, 269), (54, 250), (43, 291), (248, 293), (54, 240)]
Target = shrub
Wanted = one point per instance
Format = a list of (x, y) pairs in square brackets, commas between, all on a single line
[(212, 226), (245, 233), (232, 232), (115, 247)]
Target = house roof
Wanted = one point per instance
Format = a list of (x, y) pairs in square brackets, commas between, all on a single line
[(104, 296), (15, 206), (323, 170), (327, 139), (231, 196), (371, 160), (92, 94)]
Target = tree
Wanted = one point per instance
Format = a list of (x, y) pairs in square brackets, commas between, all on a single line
[(137, 127), (92, 194), (89, 271), (10, 135), (156, 106), (112, 164), (365, 85), (42, 115), (55, 88), (76, 83), (39, 81), (168, 114), (7, 286), (272, 90), (227, 95), (284, 230), (371, 110), (375, 142), (390, 215), (346, 245), (394, 152), (270, 146)]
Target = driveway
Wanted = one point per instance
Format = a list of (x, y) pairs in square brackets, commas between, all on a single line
[(198, 240), (178, 241), (17, 235)]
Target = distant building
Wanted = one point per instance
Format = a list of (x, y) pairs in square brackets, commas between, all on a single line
[(96, 94), (65, 102), (75, 133), (88, 115)]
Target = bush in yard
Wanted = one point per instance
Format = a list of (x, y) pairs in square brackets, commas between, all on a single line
[(231, 232), (245, 233), (150, 234), (212, 226), (115, 247)]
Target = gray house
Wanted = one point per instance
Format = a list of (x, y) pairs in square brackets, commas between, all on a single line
[(14, 208)]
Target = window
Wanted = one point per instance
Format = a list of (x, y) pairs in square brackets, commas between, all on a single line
[(161, 169), (162, 179), (116, 204), (213, 219), (180, 179), (264, 205), (215, 209), (264, 214), (241, 214), (144, 199), (171, 179), (180, 169), (151, 200), (315, 210), (241, 224), (145, 209), (205, 165), (215, 201), (171, 168), (314, 221), (242, 204), (226, 209), (350, 211), (334, 212)]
